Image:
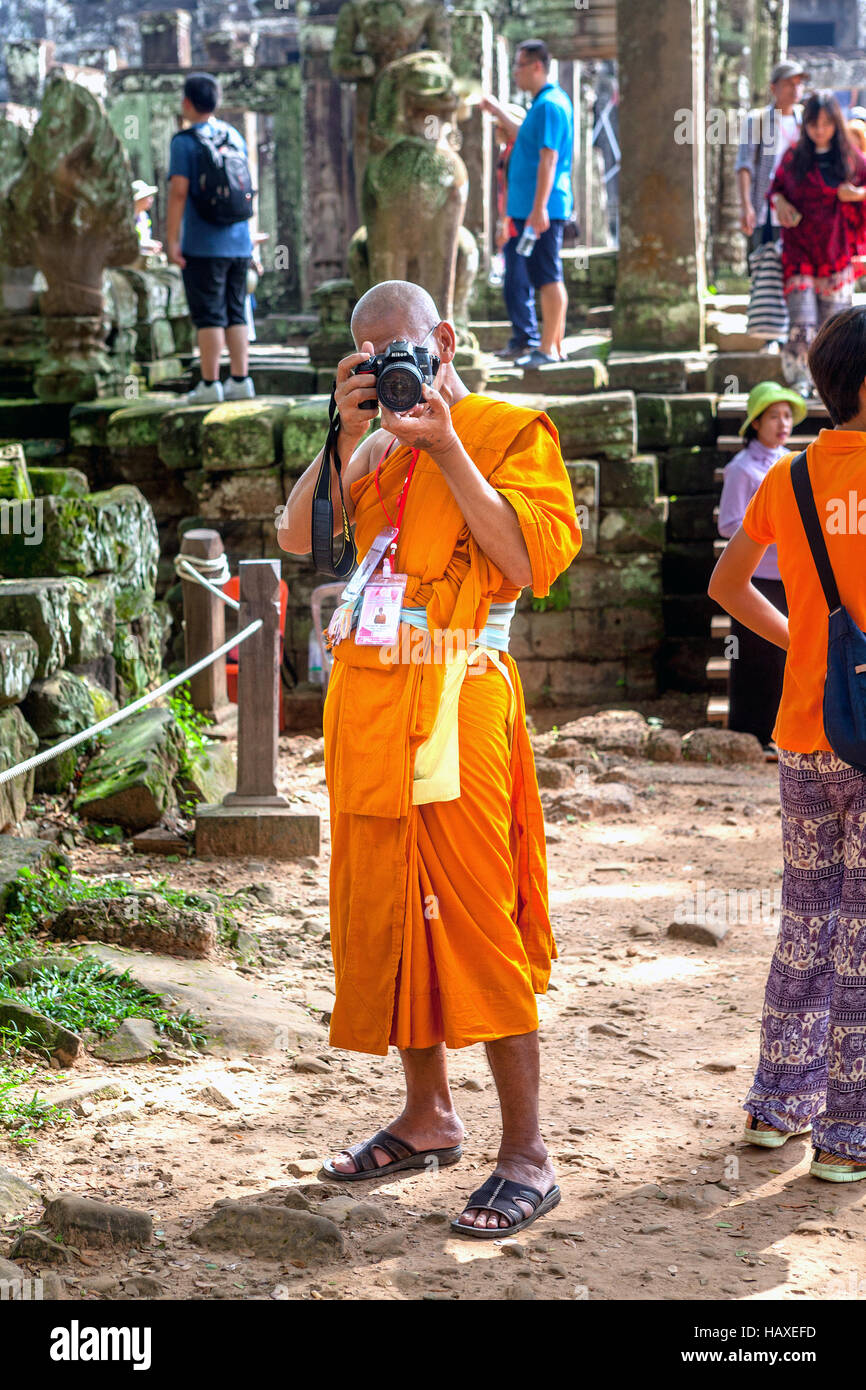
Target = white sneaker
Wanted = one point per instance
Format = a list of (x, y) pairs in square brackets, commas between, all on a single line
[(205, 395), (239, 390)]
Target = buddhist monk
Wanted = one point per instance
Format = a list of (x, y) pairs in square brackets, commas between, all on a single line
[(440, 930)]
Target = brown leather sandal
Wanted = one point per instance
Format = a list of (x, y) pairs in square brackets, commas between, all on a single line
[(402, 1156)]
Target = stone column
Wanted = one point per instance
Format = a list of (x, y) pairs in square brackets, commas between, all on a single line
[(327, 211), (472, 64), (729, 62), (660, 269), (165, 41)]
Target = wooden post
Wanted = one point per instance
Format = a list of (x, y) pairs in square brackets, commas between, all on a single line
[(258, 687), (204, 627)]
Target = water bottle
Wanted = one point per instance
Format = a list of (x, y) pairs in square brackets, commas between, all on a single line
[(314, 661), (496, 277), (528, 238)]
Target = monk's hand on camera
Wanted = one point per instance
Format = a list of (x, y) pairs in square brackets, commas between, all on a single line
[(426, 426), (352, 390)]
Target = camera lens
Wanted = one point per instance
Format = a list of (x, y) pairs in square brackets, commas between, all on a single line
[(399, 387)]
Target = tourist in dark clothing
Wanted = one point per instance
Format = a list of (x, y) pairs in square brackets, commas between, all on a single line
[(818, 193), (214, 258)]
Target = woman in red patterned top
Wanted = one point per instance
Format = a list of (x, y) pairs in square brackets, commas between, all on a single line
[(818, 194)]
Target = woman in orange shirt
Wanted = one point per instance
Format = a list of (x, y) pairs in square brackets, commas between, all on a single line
[(812, 1068)]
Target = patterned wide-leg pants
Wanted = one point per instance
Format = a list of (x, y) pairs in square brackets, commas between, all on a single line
[(812, 1064)]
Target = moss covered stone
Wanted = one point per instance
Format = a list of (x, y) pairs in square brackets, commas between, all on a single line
[(17, 742), (603, 581), (104, 702), (40, 607), (243, 434), (600, 426), (304, 432), (48, 481), (669, 421), (210, 774), (221, 497), (179, 435), (55, 774), (622, 530), (91, 619), (138, 648), (136, 426), (130, 781), (111, 531), (88, 421), (629, 482), (18, 657), (15, 485), (59, 706)]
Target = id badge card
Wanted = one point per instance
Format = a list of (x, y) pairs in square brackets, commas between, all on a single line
[(379, 620)]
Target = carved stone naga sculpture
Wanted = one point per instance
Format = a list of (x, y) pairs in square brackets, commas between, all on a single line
[(67, 210), (386, 30)]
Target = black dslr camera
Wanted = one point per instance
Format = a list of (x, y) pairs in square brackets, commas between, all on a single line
[(401, 370)]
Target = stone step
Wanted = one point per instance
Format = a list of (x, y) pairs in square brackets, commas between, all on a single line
[(600, 317), (717, 711), (492, 334), (284, 328), (718, 669), (720, 625), (732, 407), (566, 378), (657, 371), (733, 373), (729, 333)]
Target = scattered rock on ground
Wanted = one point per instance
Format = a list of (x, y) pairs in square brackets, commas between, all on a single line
[(134, 1041), (589, 803), (721, 746), (273, 1231), (664, 746), (34, 1245), (97, 1223), (701, 933), (143, 920), (59, 1042)]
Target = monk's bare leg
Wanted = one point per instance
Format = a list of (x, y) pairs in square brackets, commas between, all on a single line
[(428, 1120), (522, 1153)]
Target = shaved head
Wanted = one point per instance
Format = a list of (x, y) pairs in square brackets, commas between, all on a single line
[(394, 309)]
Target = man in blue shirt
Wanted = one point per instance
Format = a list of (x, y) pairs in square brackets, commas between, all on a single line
[(214, 259), (539, 195)]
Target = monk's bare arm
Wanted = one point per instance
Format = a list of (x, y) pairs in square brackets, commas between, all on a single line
[(489, 516)]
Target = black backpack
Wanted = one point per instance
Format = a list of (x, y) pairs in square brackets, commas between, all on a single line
[(222, 191)]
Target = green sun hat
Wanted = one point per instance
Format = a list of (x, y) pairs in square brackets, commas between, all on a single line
[(768, 393)]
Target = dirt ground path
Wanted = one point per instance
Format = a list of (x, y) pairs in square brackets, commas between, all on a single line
[(648, 1048)]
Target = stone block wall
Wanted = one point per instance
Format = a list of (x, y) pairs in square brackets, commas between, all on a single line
[(80, 628)]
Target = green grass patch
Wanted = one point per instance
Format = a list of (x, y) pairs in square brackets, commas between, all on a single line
[(22, 1116)]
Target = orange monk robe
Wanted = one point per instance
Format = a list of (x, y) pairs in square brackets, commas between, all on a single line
[(439, 919)]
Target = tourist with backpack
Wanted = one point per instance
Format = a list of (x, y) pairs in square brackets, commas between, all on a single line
[(210, 203), (811, 1072)]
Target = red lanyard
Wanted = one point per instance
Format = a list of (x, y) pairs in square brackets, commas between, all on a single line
[(401, 501)]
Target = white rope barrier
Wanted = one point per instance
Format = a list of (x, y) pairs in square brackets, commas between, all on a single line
[(48, 753), (191, 566)]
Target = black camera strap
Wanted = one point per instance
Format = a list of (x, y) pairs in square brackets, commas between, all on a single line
[(323, 509)]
